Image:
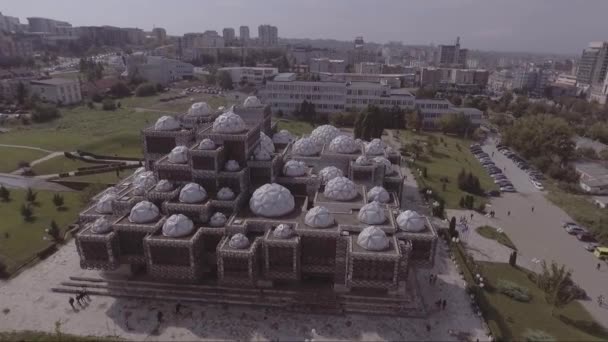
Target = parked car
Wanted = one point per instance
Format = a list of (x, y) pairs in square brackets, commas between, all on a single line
[(493, 193), (569, 223), (591, 246), (507, 189), (538, 185), (575, 230), (585, 237)]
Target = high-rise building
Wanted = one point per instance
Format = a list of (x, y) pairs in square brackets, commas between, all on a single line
[(229, 35), (533, 80), (244, 34), (160, 34), (592, 70), (9, 24), (268, 35), (452, 55)]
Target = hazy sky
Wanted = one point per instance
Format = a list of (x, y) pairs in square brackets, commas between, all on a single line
[(563, 26)]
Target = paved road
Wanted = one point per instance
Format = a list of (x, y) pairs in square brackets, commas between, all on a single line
[(20, 182), (538, 235)]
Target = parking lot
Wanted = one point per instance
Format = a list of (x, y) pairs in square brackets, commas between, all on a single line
[(519, 178)]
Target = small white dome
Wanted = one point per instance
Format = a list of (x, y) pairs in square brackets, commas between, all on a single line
[(319, 217), (411, 221), (142, 182), (177, 225), (362, 160), (252, 102), (330, 172), (199, 109), (271, 200), (178, 155), (373, 239), (225, 194), (101, 226), (192, 193), (324, 134), (166, 123), (379, 194), (294, 168), (261, 154), (340, 189), (232, 166), (229, 122), (104, 205), (305, 147), (206, 144), (343, 144), (375, 147), (238, 241), (164, 186), (144, 212), (388, 167), (266, 143), (372, 213), (283, 231), (282, 137), (218, 220)]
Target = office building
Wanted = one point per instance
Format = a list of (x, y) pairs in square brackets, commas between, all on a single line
[(135, 36), (160, 35), (318, 65), (61, 91), (244, 35), (534, 80), (229, 35), (157, 69), (250, 75), (499, 81), (268, 35), (45, 25), (593, 63), (461, 80), (452, 55), (10, 24), (368, 68), (15, 45)]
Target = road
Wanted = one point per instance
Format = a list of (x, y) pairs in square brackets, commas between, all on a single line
[(539, 235)]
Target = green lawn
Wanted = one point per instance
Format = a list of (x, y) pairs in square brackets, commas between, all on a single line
[(515, 318), (48, 337), (491, 233), (297, 128), (102, 178), (25, 238), (446, 160), (58, 165), (11, 156)]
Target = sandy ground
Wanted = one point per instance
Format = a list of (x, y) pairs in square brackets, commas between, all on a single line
[(31, 305)]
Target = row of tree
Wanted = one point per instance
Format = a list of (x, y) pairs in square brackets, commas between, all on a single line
[(468, 182)]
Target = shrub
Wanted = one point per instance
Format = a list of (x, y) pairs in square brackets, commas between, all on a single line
[(90, 104), (120, 89), (535, 335), (45, 113), (145, 89), (22, 164), (30, 195), (58, 200), (27, 212), (108, 105), (159, 87), (5, 194), (97, 97), (513, 290)]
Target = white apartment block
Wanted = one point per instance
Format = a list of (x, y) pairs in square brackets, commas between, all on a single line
[(57, 90), (255, 75), (157, 69), (318, 65)]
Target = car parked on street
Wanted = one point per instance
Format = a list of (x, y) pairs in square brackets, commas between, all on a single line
[(586, 237), (575, 230), (591, 246)]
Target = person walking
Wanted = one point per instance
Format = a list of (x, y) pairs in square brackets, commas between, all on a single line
[(598, 266), (532, 208), (443, 304), (159, 317), (471, 216), (600, 300), (71, 301), (509, 213), (178, 307)]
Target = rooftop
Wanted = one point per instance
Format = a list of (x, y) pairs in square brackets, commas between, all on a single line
[(285, 77), (54, 81)]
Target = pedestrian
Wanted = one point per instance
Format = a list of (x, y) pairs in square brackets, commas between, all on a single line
[(159, 317), (509, 213), (532, 208), (71, 301), (428, 327), (78, 298), (600, 300), (471, 216), (598, 266), (443, 304), (438, 304), (431, 279), (178, 307)]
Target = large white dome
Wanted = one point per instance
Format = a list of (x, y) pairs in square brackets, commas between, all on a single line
[(375, 147), (164, 186), (104, 205), (324, 134), (330, 172), (305, 147), (142, 182), (271, 200), (411, 221), (166, 123), (206, 144), (319, 217), (282, 137), (178, 155), (372, 213), (192, 193), (101, 226), (229, 122), (343, 144), (232, 166), (144, 212), (379, 194), (238, 241), (373, 239), (294, 168), (252, 102), (266, 143), (388, 167), (199, 109), (218, 220), (340, 189), (177, 225), (225, 194)]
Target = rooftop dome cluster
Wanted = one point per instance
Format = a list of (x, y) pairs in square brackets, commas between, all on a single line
[(144, 212), (294, 168), (206, 144), (330, 172), (218, 220), (225, 194), (164, 186), (388, 166), (306, 147), (283, 137), (379, 194), (104, 205), (340, 189), (178, 225), (239, 241), (375, 147), (229, 122), (232, 166), (199, 109), (166, 123), (142, 182), (319, 217), (178, 155), (411, 221), (101, 226), (252, 102), (283, 231), (192, 193), (343, 144), (373, 239), (271, 200), (372, 213), (324, 134), (362, 160)]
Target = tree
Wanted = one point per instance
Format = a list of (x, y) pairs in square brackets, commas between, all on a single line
[(58, 200), (27, 213), (513, 259), (414, 119), (452, 229), (108, 104), (224, 80), (21, 93), (5, 194), (145, 89), (54, 232), (458, 124), (555, 281), (30, 195), (120, 90), (45, 113)]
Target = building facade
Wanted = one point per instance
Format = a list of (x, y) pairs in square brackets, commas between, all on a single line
[(318, 65), (452, 55), (160, 34), (368, 68), (268, 35), (61, 91), (250, 75), (229, 35), (46, 25), (244, 36), (157, 69)]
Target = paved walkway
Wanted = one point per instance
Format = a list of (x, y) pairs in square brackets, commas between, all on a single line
[(27, 147), (38, 161), (21, 182)]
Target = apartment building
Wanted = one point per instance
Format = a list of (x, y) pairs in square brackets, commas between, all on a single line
[(318, 65), (368, 68), (229, 35), (465, 80), (392, 80), (157, 69), (10, 24), (160, 34), (268, 35), (252, 75), (452, 55), (500, 81), (57, 90), (46, 25)]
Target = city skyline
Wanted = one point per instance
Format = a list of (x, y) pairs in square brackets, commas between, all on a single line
[(540, 26)]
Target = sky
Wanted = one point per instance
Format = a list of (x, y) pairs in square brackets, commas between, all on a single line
[(557, 26)]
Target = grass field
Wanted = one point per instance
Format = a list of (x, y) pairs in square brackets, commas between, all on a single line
[(515, 318), (11, 156), (20, 240), (446, 160), (491, 233), (48, 337), (297, 128), (58, 165)]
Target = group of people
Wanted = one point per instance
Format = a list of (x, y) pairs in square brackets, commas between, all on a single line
[(82, 298)]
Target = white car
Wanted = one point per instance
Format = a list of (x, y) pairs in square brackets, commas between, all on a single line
[(537, 185)]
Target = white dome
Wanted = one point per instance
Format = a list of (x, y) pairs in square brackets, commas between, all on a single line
[(411, 221), (164, 186), (282, 137), (343, 144), (144, 212), (225, 194), (142, 182), (177, 225), (199, 109), (218, 220), (101, 226), (373, 239), (375, 147), (232, 165), (178, 155), (330, 172), (388, 167), (372, 213), (266, 143), (271, 200), (362, 160), (229, 123), (324, 134), (104, 205), (283, 231), (252, 102), (166, 123), (139, 170), (238, 241), (261, 154), (340, 189), (294, 168), (206, 144), (319, 217), (192, 193), (305, 147), (379, 194)]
